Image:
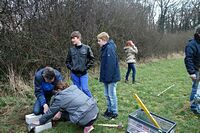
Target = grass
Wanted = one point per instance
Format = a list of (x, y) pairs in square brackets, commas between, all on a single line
[(153, 78)]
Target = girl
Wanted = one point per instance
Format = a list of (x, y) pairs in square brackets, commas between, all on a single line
[(130, 50)]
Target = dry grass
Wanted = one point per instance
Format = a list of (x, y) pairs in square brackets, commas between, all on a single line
[(17, 86), (156, 59)]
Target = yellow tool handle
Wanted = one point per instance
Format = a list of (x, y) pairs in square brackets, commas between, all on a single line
[(146, 111)]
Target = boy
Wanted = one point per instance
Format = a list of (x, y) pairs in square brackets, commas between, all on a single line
[(109, 73), (79, 59)]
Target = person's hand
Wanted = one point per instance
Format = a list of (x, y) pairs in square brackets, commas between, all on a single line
[(36, 122), (57, 116), (132, 44), (193, 76), (46, 108)]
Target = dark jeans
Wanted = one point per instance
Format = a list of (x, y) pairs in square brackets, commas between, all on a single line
[(37, 108), (65, 117), (91, 122), (131, 66)]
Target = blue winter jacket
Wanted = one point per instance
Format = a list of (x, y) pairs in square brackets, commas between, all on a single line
[(109, 69), (192, 56), (44, 90)]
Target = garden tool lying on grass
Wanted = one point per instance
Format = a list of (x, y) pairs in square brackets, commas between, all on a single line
[(146, 111), (111, 125), (165, 90)]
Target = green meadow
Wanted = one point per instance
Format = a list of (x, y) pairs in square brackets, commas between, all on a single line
[(152, 78)]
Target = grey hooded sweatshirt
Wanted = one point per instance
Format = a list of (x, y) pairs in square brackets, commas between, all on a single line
[(81, 108)]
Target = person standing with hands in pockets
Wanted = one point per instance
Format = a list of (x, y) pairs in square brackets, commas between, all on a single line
[(130, 50), (79, 59)]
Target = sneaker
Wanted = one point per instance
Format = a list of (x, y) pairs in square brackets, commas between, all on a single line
[(113, 116), (107, 114), (88, 129), (195, 109)]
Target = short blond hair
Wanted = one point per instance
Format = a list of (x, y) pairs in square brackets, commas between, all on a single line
[(104, 36)]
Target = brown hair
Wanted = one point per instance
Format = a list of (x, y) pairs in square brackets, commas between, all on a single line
[(61, 85), (48, 73), (76, 34)]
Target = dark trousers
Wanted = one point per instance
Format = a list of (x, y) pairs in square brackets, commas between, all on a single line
[(37, 108), (65, 117), (131, 66), (91, 122)]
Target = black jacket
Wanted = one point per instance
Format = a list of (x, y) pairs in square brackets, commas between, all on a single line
[(192, 55), (80, 59)]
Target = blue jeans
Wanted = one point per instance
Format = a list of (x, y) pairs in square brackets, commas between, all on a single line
[(37, 108), (82, 83), (195, 90), (131, 66), (195, 86), (111, 97)]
